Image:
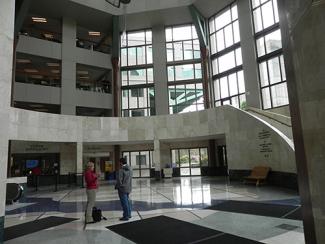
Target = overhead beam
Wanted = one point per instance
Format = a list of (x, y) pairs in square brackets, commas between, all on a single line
[(200, 26)]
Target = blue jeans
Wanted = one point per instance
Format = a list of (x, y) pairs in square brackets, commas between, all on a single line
[(126, 204)]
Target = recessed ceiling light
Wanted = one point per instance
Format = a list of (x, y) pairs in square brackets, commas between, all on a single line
[(53, 64), (39, 19), (82, 72), (84, 77), (23, 61), (31, 70), (94, 33), (55, 71)]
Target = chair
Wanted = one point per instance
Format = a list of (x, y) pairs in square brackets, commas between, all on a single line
[(258, 175)]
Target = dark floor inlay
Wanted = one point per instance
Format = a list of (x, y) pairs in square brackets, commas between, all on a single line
[(257, 208), (161, 230), (287, 227), (229, 239), (34, 226)]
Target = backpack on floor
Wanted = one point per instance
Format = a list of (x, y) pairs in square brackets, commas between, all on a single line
[(97, 215)]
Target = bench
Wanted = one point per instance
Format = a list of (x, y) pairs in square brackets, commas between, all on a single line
[(258, 175)]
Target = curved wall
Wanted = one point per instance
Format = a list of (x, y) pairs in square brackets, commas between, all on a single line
[(242, 131)]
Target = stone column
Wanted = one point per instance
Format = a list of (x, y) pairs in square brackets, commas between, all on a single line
[(160, 69), (68, 76), (302, 27), (161, 157), (7, 15), (247, 41), (79, 162)]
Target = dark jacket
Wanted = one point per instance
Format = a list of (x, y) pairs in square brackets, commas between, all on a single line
[(124, 179)]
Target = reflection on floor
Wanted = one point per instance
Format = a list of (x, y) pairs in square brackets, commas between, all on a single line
[(180, 198)]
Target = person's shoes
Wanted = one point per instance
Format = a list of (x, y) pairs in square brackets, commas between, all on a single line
[(124, 219), (129, 217)]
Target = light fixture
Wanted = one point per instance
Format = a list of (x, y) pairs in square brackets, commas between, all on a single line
[(23, 61), (36, 76), (39, 19), (55, 71), (53, 64), (31, 70), (84, 77), (94, 33)]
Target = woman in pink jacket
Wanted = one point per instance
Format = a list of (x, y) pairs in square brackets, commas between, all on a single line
[(92, 185)]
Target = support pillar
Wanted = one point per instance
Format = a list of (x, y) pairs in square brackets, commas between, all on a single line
[(80, 163), (302, 28), (205, 76), (7, 20), (161, 157)]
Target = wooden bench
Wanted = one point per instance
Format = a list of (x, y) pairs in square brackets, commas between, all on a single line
[(258, 175)]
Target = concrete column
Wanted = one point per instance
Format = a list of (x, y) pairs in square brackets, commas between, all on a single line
[(161, 157), (247, 40), (79, 161), (68, 86), (160, 69), (302, 27), (7, 15)]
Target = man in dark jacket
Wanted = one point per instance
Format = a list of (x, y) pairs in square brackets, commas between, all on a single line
[(124, 187)]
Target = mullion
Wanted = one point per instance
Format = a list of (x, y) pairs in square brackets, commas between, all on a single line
[(260, 5), (269, 82), (272, 3)]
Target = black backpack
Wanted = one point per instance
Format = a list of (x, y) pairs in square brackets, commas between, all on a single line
[(97, 215)]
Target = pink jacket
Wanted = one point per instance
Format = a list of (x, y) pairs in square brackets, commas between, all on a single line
[(91, 179)]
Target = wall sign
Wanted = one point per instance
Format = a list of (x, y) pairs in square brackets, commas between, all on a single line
[(265, 143)]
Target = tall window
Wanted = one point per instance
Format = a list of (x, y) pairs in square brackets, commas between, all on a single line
[(184, 69), (138, 95), (269, 53), (190, 160), (141, 162), (227, 68)]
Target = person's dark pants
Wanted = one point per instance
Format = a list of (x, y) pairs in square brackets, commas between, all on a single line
[(126, 204)]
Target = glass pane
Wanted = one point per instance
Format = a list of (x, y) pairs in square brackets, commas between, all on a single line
[(184, 72), (132, 56), (257, 20), (223, 19), (224, 87), (170, 71), (134, 160), (241, 81), (216, 90), (273, 41), (123, 57), (215, 69), (149, 54), (233, 84), (144, 159), (236, 31), (169, 49), (145, 172), (175, 158), (263, 74), (227, 62), (148, 37), (234, 12), (184, 158), (125, 99), (197, 50), (213, 44), (228, 36), (137, 77), (195, 157), (198, 71), (141, 57), (276, 11), (239, 59), (126, 156), (182, 33), (211, 26), (188, 50), (274, 70), (266, 98), (242, 100), (195, 171), (260, 47), (220, 40), (194, 34), (136, 38), (185, 171), (178, 51), (169, 36), (136, 173), (150, 75), (267, 14), (124, 78), (204, 157), (279, 95), (255, 3)]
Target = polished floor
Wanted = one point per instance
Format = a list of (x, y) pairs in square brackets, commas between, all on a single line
[(181, 198)]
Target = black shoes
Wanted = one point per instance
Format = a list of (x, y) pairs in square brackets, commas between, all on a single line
[(124, 219)]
